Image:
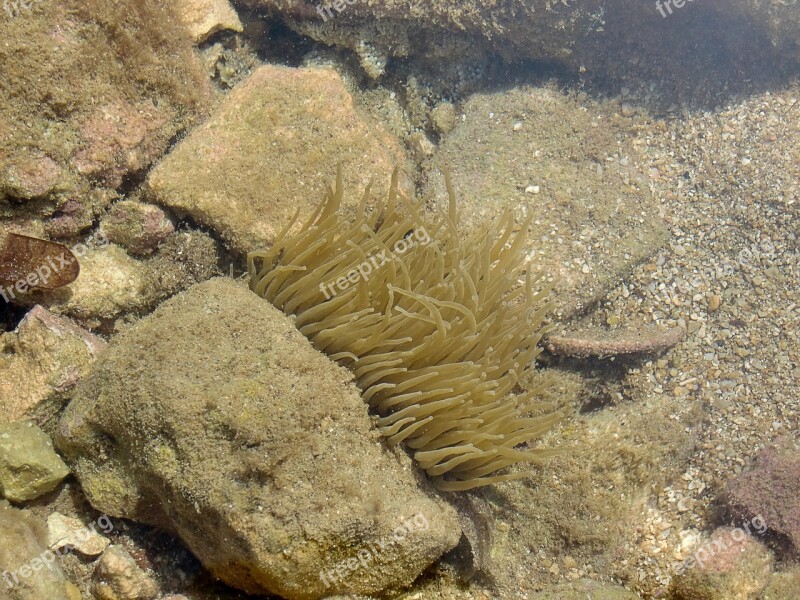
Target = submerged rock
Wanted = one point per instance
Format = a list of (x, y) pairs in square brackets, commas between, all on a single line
[(29, 570), (29, 467), (204, 18), (136, 226), (118, 577), (770, 490), (214, 418), (273, 147), (69, 532), (94, 92), (573, 171), (45, 356), (594, 33), (731, 566)]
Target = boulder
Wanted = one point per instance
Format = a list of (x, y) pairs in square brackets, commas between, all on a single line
[(215, 419), (770, 489)]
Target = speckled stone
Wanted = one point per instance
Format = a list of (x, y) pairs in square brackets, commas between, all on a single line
[(29, 467)]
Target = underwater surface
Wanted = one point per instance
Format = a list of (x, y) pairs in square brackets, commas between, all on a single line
[(422, 300)]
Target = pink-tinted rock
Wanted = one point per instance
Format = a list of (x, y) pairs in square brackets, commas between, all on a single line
[(91, 91), (771, 489), (732, 565), (136, 226), (32, 177), (120, 137), (78, 214), (70, 219)]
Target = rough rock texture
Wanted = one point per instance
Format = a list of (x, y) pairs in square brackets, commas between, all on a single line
[(215, 418), (136, 226), (113, 284), (586, 504), (771, 489), (273, 147), (45, 356), (783, 585), (577, 171), (118, 577), (92, 91), (29, 467), (732, 566), (581, 590), (594, 33), (34, 573), (110, 283), (204, 18)]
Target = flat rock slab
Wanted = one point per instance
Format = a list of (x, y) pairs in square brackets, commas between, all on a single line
[(273, 147), (539, 152), (216, 419)]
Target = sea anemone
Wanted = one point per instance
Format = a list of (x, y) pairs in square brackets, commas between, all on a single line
[(437, 328)]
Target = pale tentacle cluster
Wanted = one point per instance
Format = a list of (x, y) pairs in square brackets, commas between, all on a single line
[(437, 329)]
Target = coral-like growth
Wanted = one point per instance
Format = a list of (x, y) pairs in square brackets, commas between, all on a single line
[(436, 328)]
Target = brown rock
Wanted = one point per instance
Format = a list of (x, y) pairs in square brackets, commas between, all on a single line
[(118, 577), (136, 226), (46, 355), (120, 137), (771, 489), (271, 148), (731, 566), (32, 177), (216, 419)]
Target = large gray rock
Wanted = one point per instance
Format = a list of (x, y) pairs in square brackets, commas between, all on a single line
[(216, 419)]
